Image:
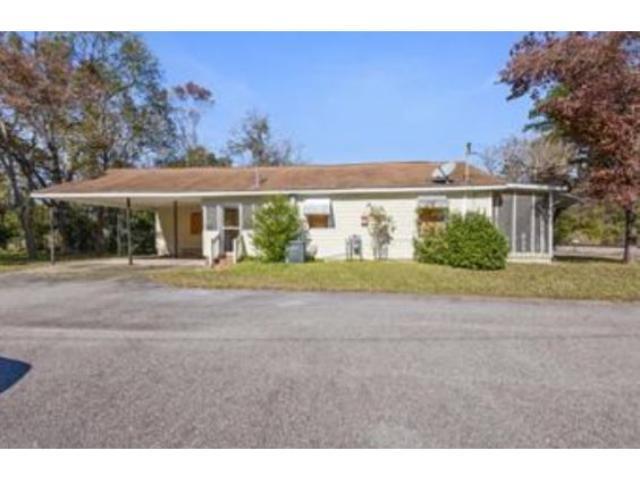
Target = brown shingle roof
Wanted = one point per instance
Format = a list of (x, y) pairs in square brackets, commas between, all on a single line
[(302, 177)]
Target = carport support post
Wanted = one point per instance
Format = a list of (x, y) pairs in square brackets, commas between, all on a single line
[(119, 232), (550, 226), (175, 229), (128, 220), (52, 235)]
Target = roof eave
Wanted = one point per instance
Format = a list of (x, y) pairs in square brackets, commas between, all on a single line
[(257, 193)]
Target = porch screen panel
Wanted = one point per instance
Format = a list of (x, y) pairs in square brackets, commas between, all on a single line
[(247, 216), (542, 225), (212, 217), (524, 227), (503, 215)]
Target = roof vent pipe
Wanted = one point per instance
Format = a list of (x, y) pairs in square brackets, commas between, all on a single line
[(467, 154), (256, 178)]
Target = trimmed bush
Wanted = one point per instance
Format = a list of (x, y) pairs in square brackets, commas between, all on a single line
[(431, 247), (471, 242), (474, 242), (275, 224)]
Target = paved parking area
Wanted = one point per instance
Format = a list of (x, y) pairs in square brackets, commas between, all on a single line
[(116, 361)]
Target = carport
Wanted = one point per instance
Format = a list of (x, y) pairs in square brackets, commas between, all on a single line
[(172, 216)]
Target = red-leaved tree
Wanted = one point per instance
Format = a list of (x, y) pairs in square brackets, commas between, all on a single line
[(587, 86)]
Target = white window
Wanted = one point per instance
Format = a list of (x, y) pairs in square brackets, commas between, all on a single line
[(432, 211)]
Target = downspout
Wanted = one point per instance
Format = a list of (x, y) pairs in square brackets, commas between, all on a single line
[(256, 178)]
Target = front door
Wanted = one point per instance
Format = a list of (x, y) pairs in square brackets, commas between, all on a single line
[(231, 227)]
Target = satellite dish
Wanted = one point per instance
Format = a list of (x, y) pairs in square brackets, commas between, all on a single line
[(442, 173)]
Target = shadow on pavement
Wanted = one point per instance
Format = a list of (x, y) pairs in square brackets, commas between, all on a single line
[(11, 371)]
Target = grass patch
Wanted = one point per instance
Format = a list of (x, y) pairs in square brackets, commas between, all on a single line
[(563, 280), (10, 261)]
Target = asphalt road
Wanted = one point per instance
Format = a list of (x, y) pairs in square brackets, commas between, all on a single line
[(121, 362)]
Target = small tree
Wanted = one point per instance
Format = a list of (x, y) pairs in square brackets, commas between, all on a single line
[(275, 224), (381, 228), (8, 230)]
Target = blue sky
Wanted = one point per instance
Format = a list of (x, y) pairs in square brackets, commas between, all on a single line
[(352, 97)]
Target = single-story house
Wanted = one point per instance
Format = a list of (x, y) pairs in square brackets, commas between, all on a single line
[(207, 212)]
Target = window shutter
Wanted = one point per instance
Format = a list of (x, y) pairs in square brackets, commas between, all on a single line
[(317, 206), (212, 217), (196, 223)]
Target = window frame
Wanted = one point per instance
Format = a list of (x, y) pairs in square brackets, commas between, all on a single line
[(327, 223)]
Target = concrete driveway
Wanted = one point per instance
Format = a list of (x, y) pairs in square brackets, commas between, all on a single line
[(115, 361)]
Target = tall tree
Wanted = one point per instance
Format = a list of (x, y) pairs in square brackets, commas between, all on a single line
[(192, 101), (254, 142), (125, 117), (17, 191), (587, 86), (189, 103), (199, 156), (542, 159), (35, 98), (73, 105)]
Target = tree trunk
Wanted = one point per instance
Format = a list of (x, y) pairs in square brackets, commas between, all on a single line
[(630, 233), (64, 229), (26, 222), (23, 204)]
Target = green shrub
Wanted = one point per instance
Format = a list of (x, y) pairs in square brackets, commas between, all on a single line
[(275, 224), (470, 242), (143, 232), (9, 229), (431, 247), (474, 242), (592, 224)]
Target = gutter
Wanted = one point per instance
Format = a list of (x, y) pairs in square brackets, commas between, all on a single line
[(262, 193)]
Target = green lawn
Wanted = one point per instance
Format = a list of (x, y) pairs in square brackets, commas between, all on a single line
[(602, 280)]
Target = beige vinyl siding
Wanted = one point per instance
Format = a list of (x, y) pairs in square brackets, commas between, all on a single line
[(480, 202), (188, 244), (347, 211), (213, 204), (162, 249)]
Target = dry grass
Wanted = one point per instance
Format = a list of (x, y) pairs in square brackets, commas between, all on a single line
[(599, 280), (11, 261)]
